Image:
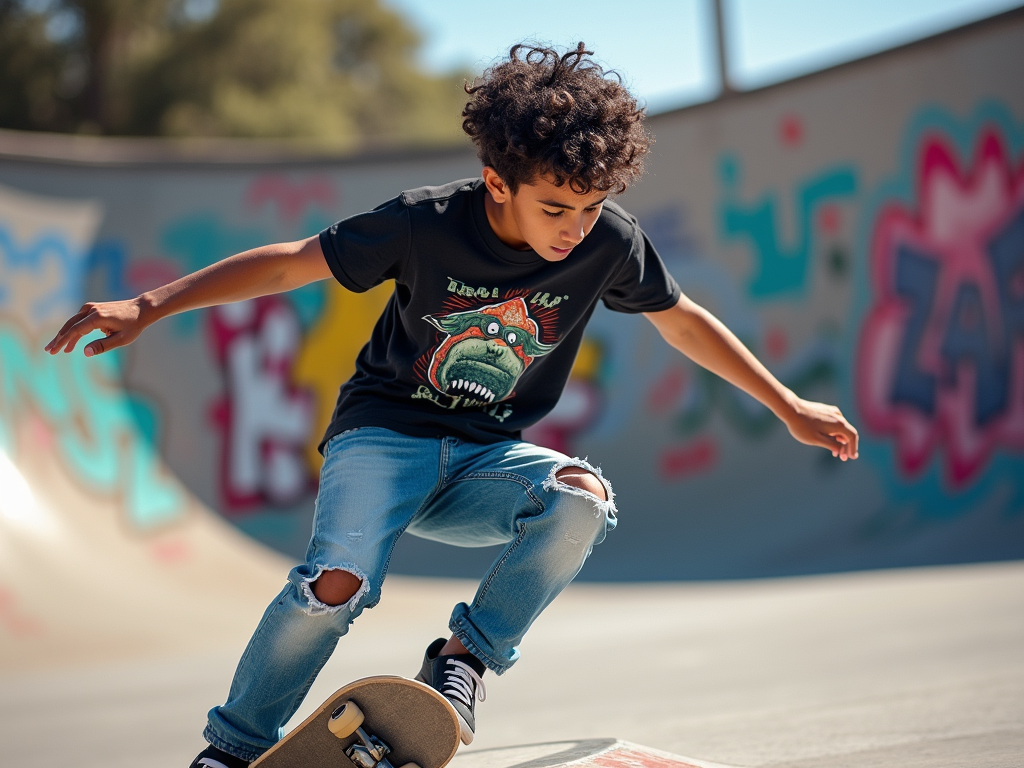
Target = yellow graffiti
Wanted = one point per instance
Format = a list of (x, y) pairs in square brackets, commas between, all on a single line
[(588, 360), (328, 355)]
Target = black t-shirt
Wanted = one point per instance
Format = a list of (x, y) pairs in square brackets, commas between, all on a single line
[(478, 339)]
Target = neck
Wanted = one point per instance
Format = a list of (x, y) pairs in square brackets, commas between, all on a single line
[(503, 224)]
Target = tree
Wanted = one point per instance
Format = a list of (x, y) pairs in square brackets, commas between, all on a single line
[(337, 72)]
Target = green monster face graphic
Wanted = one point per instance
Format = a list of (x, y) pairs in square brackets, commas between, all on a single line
[(486, 351)]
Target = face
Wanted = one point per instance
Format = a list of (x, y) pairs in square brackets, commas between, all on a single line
[(550, 219)]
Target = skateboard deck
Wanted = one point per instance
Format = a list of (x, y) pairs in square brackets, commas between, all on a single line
[(403, 721)]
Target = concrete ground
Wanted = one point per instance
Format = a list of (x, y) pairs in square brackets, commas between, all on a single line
[(913, 668)]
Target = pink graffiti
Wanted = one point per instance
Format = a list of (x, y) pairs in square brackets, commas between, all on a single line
[(667, 390), (151, 273), (690, 459), (940, 361), (264, 419), (291, 198), (575, 411)]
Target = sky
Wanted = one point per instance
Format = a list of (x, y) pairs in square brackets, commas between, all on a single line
[(665, 48)]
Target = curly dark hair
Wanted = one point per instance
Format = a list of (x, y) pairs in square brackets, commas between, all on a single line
[(541, 112)]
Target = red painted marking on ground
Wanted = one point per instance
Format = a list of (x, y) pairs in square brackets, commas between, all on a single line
[(632, 758), (791, 131), (689, 459), (14, 620), (667, 389)]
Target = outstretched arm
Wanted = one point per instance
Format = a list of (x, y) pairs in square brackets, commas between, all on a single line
[(704, 339), (269, 269)]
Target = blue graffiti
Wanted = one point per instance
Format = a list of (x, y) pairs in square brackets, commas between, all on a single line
[(108, 263), (781, 271), (33, 257), (1001, 486)]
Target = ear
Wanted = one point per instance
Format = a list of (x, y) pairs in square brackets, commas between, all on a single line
[(496, 185)]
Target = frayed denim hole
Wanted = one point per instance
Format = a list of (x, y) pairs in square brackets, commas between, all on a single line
[(315, 607), (602, 506)]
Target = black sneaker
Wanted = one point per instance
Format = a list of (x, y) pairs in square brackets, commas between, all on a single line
[(458, 680), (211, 757)]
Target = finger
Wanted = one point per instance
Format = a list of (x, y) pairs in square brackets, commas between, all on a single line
[(55, 343), (77, 331), (831, 443), (107, 343), (849, 438)]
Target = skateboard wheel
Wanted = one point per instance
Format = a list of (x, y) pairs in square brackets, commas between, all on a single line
[(345, 719), (409, 765)]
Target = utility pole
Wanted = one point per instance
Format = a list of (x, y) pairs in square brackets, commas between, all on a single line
[(723, 62)]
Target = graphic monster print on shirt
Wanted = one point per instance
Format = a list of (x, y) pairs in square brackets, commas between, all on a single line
[(485, 352)]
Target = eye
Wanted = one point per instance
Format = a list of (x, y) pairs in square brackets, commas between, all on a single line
[(511, 337), (552, 214), (493, 329)]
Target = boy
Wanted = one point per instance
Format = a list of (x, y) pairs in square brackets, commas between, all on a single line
[(426, 435)]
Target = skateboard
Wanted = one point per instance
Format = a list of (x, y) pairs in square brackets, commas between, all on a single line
[(376, 722)]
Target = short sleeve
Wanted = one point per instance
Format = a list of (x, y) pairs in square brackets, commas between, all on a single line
[(369, 248), (643, 284)]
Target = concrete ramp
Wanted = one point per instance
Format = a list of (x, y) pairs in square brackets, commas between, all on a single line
[(104, 554), (587, 753)]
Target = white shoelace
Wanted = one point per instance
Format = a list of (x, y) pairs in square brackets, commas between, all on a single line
[(459, 683), (211, 763)]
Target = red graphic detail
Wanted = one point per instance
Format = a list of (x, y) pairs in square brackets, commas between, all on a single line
[(791, 131), (690, 459), (830, 219), (291, 198), (915, 383), (264, 419)]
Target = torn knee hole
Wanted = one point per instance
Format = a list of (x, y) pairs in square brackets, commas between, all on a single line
[(583, 479), (336, 586)]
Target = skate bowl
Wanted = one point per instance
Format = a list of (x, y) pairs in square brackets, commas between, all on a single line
[(103, 553), (789, 212)]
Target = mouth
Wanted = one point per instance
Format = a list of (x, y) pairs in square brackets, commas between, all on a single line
[(464, 386), (561, 251)]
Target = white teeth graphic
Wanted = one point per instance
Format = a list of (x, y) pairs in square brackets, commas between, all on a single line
[(471, 387)]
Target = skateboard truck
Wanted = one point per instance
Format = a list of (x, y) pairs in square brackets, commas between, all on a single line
[(346, 720)]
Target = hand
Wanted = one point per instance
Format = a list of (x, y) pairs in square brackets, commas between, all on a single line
[(823, 425), (121, 321)]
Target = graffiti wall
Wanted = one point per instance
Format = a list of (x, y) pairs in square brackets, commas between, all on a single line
[(862, 230)]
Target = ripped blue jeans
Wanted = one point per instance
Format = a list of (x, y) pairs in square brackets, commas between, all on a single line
[(376, 484)]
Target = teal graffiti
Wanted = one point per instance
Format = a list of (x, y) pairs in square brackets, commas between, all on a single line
[(199, 240), (780, 270), (105, 436)]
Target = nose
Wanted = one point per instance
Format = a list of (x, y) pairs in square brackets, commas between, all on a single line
[(574, 233)]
